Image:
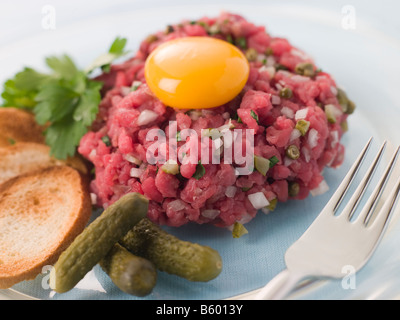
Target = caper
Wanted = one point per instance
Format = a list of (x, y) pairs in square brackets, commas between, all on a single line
[(293, 152), (251, 54), (286, 93), (305, 69), (294, 189), (351, 106)]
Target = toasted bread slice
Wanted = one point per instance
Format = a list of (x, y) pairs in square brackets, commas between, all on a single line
[(40, 214), (24, 157), (17, 125)]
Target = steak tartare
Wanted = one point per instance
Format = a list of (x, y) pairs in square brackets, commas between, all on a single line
[(297, 112)]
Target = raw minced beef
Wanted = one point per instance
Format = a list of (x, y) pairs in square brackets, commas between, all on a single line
[(284, 102)]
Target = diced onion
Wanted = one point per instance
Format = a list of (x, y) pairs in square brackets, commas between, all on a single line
[(287, 112), (321, 189), (146, 117), (265, 210), (226, 115), (313, 136), (334, 91), (295, 134), (258, 200), (306, 153), (301, 114), (194, 114), (298, 78), (230, 191), (136, 172), (227, 126), (210, 214), (335, 138), (170, 167), (275, 99), (177, 205), (130, 158)]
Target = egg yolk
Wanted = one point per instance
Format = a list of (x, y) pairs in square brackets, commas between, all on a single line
[(196, 72)]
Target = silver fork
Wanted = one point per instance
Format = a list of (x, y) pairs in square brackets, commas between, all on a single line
[(334, 241)]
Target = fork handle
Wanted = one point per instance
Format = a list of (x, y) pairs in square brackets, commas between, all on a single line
[(280, 286)]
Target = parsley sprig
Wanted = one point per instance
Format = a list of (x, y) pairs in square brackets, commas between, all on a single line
[(65, 100)]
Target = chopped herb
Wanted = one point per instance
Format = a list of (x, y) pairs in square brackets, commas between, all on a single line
[(229, 38), (279, 66), (254, 115), (135, 85), (262, 165), (169, 29), (11, 141), (200, 171), (264, 61), (273, 161), (303, 126), (106, 140), (238, 230), (193, 22), (178, 136), (241, 42), (239, 120)]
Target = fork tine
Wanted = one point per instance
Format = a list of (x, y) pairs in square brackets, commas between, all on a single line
[(381, 221), (366, 213), (362, 187), (341, 191)]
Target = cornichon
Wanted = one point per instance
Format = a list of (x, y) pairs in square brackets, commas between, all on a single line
[(189, 260), (96, 241), (132, 274)]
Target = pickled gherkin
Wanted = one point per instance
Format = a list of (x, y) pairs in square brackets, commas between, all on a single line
[(96, 241), (132, 274), (191, 261)]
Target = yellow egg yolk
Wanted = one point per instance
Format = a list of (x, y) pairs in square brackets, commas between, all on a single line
[(196, 72)]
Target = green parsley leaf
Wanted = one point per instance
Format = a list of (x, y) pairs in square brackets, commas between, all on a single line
[(20, 91), (273, 161), (63, 67), (200, 171), (64, 136), (254, 115), (118, 46), (104, 61), (106, 140), (65, 99)]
